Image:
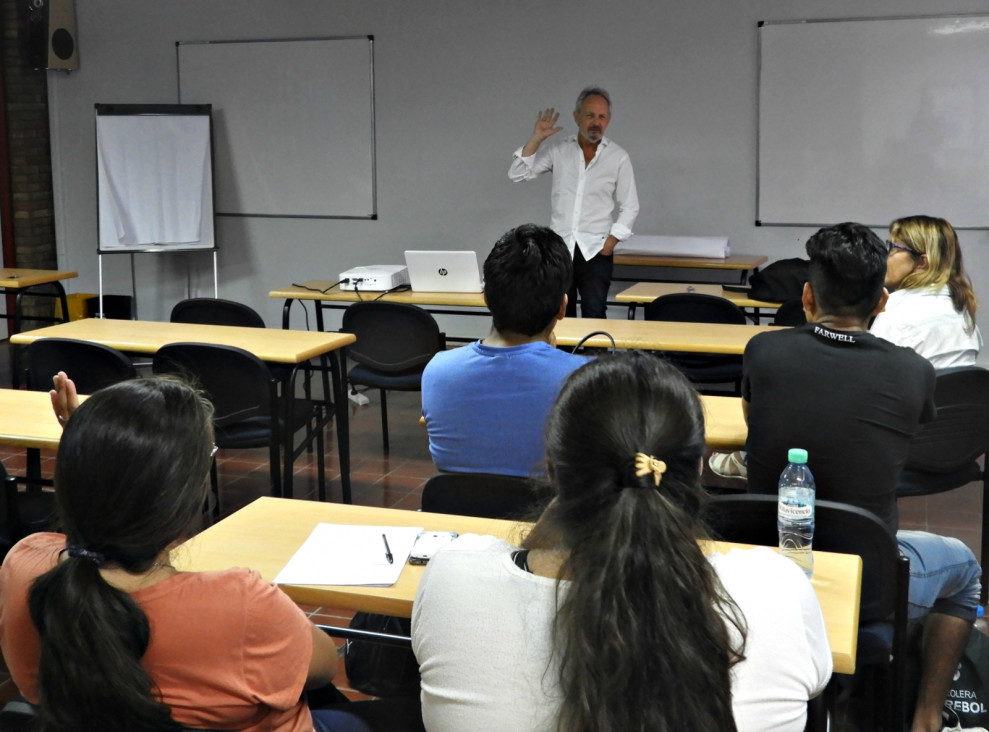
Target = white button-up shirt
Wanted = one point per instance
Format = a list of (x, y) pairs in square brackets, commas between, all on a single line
[(584, 196), (925, 320)]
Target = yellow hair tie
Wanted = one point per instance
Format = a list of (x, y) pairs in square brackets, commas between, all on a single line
[(646, 464)]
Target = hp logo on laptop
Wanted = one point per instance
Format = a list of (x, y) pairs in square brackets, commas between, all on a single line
[(443, 271)]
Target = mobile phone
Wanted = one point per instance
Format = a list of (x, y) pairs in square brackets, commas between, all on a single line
[(428, 543)]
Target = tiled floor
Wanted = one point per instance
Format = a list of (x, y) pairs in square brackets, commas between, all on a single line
[(396, 480)]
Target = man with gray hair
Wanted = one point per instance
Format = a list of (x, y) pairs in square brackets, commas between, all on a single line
[(591, 176)]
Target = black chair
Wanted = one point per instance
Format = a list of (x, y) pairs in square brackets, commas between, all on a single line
[(693, 307), (790, 313), (90, 365), (944, 454), (394, 343), (248, 411), (484, 495), (213, 311), (882, 639), (23, 512)]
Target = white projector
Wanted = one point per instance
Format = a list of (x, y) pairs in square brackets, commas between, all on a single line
[(378, 277)]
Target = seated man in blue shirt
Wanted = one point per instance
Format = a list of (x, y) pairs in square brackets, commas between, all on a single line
[(485, 404)]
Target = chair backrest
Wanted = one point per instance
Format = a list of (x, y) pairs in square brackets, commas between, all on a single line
[(236, 381), (391, 337), (694, 307), (213, 311), (790, 313), (960, 431), (90, 365), (483, 495), (839, 527)]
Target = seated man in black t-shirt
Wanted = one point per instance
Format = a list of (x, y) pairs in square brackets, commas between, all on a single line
[(854, 402)]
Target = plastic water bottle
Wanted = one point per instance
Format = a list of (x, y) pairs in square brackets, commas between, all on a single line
[(795, 513)]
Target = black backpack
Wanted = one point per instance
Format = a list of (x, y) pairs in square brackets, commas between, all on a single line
[(780, 281)]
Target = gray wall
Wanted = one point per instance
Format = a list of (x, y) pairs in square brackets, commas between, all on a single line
[(458, 84)]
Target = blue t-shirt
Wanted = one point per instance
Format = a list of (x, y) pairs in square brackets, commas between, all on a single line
[(486, 407)]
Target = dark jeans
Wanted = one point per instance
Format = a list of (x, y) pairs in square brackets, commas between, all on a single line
[(591, 279), (376, 715), (325, 720)]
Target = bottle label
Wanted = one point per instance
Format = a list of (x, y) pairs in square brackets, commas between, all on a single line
[(795, 511)]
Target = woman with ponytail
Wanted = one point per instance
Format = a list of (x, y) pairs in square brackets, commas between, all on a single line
[(610, 618), (932, 305), (100, 630)]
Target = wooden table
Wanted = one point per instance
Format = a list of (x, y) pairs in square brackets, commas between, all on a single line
[(266, 533), (725, 427), (660, 335), (27, 420), (646, 292), (743, 264), (22, 281), (293, 347), (325, 294)]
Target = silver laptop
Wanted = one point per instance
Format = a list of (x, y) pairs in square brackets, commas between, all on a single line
[(445, 271)]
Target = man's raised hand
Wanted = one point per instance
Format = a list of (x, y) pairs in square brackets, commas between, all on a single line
[(545, 127)]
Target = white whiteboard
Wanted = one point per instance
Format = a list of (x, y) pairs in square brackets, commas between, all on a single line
[(872, 120), (154, 178), (293, 123)]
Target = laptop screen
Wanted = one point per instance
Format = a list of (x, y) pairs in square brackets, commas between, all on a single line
[(443, 271)]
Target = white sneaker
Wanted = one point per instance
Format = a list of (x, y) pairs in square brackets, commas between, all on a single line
[(728, 465), (953, 724)]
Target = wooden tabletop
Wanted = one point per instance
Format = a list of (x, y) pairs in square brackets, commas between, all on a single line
[(265, 534), (27, 420), (660, 335), (736, 261), (644, 292), (146, 336), (13, 278), (724, 424), (313, 290)]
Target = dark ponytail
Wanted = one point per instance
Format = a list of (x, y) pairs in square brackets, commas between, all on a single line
[(130, 479), (642, 630)]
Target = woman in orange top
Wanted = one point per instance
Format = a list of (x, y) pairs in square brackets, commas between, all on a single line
[(102, 632)]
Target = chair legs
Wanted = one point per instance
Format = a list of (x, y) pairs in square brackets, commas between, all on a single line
[(985, 526), (384, 420), (275, 466)]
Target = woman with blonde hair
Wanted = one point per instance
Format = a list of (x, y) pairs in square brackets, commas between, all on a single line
[(931, 308)]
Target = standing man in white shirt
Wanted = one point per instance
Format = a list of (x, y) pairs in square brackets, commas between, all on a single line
[(591, 176)]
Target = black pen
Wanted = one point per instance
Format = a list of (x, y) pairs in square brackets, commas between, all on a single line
[(388, 556)]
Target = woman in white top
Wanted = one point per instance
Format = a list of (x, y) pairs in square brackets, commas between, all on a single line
[(931, 308), (610, 618)]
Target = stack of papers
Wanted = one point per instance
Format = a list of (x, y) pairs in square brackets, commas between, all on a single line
[(343, 554), (710, 247)]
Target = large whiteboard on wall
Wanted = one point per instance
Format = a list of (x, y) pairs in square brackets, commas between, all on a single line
[(293, 123), (871, 120)]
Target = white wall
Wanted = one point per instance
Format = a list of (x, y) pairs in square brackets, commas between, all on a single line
[(458, 84)]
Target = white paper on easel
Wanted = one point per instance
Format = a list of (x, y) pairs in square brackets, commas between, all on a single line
[(344, 554)]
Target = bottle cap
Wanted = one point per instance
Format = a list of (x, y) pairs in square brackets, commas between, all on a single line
[(797, 455)]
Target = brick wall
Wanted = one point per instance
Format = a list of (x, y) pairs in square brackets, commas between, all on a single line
[(26, 110)]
